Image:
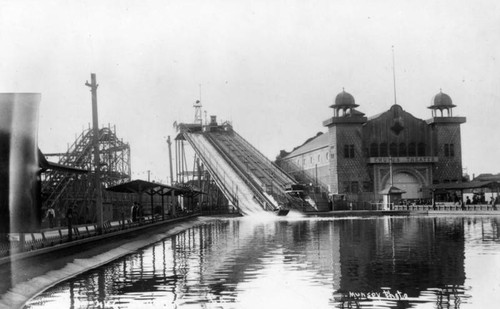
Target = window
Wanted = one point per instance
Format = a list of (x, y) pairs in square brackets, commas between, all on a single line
[(421, 149), (327, 156), (383, 150), (449, 150), (319, 158), (373, 150), (349, 151), (346, 188), (354, 187), (402, 150), (412, 151), (367, 186), (393, 150), (311, 159)]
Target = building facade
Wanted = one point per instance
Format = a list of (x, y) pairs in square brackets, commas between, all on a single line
[(358, 157)]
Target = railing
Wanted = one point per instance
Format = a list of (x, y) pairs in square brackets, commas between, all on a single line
[(230, 194), (261, 199), (260, 163), (413, 207), (381, 206), (280, 172), (248, 158), (447, 207), (53, 237), (218, 211)]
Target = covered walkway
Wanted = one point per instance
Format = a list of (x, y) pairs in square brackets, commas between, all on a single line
[(141, 187)]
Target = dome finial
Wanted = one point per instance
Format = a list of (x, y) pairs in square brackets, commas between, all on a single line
[(442, 100), (345, 99)]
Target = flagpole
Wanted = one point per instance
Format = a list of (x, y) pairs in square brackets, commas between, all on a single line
[(394, 74)]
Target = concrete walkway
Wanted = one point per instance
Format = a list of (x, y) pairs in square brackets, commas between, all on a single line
[(358, 213), (364, 213), (29, 273), (465, 213), (52, 239)]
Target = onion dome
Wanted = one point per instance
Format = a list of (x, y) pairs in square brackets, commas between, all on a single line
[(442, 101), (344, 100)]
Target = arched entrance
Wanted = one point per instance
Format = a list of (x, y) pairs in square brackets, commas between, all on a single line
[(408, 183)]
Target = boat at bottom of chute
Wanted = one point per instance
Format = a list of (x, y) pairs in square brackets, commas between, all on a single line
[(281, 211)]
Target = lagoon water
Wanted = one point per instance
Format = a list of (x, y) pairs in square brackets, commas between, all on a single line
[(375, 262)]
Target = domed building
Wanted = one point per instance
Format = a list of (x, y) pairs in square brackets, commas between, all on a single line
[(359, 158)]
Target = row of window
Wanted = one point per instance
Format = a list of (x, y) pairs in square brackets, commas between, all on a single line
[(386, 150), (397, 150), (354, 186), (311, 159), (435, 182)]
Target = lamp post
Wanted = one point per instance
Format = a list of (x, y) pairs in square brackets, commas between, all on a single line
[(171, 175)]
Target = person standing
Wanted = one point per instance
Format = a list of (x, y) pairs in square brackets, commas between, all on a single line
[(139, 212), (51, 214), (69, 221), (461, 204), (133, 211)]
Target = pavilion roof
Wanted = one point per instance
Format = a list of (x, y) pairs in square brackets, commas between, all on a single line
[(143, 186), (465, 185)]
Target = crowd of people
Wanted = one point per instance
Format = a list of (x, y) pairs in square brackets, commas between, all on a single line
[(457, 201), (411, 202)]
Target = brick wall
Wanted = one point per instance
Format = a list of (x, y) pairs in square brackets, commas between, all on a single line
[(448, 168)]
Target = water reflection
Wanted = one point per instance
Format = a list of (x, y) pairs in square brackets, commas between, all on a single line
[(403, 255), (312, 263)]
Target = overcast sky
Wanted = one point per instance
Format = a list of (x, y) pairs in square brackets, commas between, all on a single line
[(273, 68)]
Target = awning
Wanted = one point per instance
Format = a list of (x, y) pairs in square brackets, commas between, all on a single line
[(142, 186), (137, 186), (465, 185)]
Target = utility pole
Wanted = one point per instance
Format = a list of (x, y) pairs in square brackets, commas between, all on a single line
[(97, 162), (171, 175)]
